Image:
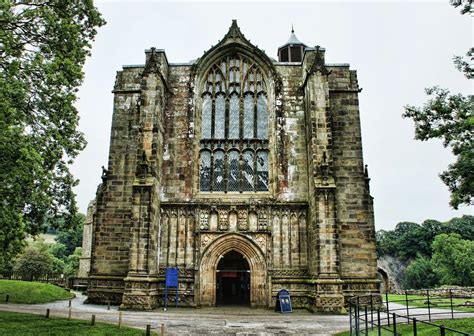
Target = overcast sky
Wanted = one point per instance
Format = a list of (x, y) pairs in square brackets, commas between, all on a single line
[(398, 49)]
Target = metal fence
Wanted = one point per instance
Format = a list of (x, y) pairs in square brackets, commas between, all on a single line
[(377, 315), (56, 279)]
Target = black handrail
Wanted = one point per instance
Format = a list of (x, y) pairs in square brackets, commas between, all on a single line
[(363, 308)]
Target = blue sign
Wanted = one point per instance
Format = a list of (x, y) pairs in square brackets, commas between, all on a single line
[(171, 280), (283, 302), (172, 277)]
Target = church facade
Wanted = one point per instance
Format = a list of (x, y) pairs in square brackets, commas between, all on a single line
[(244, 172)]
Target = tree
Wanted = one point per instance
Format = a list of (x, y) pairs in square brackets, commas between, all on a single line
[(44, 44), (72, 263), (386, 243), (34, 261), (419, 274), (463, 226), (449, 117), (408, 240), (72, 236), (58, 250), (453, 259)]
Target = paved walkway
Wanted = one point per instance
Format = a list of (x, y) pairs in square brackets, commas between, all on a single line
[(203, 321), (210, 321)]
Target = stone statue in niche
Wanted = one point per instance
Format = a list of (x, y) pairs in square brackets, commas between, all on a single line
[(243, 225), (204, 220)]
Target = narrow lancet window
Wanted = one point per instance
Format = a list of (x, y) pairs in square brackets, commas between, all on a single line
[(206, 116), (248, 116), (262, 117), (219, 123), (262, 170), (234, 124), (218, 171), (248, 171), (205, 173), (234, 171)]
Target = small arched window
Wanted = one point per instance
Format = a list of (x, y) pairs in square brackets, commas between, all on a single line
[(234, 127)]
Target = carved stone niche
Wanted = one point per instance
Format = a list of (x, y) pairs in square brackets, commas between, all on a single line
[(223, 220), (204, 219), (243, 224), (262, 220)]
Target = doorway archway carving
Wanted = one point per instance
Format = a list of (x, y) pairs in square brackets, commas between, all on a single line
[(251, 252)]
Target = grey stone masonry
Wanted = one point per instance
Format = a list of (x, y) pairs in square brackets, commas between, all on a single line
[(233, 153)]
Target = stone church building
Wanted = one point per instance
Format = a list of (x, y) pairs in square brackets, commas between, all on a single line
[(244, 172)]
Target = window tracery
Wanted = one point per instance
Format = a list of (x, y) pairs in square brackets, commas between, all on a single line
[(234, 128)]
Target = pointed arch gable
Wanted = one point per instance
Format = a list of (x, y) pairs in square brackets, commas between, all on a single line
[(235, 42)]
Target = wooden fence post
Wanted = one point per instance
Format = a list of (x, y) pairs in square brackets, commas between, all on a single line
[(148, 330), (69, 313), (47, 313), (93, 320), (162, 330), (120, 320)]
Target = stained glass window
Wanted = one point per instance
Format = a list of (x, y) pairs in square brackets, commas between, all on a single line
[(205, 173), (218, 171), (219, 121), (234, 171), (234, 117), (248, 171), (248, 116), (262, 170), (262, 117), (206, 116), (234, 126)]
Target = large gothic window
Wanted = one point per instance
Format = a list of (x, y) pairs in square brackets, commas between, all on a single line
[(234, 128)]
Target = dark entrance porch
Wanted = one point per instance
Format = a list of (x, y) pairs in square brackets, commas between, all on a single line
[(233, 280)]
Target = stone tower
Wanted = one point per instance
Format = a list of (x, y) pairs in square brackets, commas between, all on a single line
[(244, 172)]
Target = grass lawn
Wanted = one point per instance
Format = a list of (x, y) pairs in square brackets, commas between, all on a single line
[(435, 302), (31, 292), (29, 324), (465, 325)]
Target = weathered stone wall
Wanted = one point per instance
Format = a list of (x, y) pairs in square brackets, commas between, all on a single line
[(292, 177), (85, 259), (180, 160), (311, 233), (353, 202), (112, 223)]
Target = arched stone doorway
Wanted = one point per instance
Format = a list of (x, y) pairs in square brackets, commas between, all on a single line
[(233, 280), (212, 255), (384, 283)]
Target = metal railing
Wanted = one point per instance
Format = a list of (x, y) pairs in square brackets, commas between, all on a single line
[(377, 315), (56, 279)]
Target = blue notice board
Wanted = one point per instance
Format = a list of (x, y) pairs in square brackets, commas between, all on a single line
[(172, 277), (171, 280)]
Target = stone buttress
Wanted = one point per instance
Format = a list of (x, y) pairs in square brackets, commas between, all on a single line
[(234, 152)]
